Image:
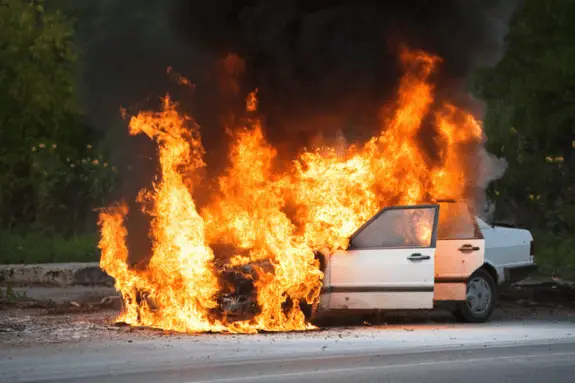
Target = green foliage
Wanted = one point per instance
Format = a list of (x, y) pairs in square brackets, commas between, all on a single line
[(68, 183), (51, 176), (530, 121), (36, 70), (555, 254), (37, 97), (531, 116), (35, 247)]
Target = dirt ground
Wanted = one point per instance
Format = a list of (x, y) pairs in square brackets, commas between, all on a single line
[(23, 327), (48, 315)]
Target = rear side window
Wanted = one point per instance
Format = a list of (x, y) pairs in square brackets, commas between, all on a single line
[(397, 228), (457, 222)]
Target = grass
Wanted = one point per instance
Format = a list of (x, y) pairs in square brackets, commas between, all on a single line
[(35, 247), (555, 254)]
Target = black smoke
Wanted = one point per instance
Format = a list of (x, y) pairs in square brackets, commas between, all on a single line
[(321, 67), (328, 65)]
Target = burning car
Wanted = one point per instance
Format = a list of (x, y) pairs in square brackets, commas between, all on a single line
[(248, 256), (411, 257)]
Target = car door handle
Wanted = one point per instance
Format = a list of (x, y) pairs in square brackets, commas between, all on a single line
[(418, 257), (468, 248)]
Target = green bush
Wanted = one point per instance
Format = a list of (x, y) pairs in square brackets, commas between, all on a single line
[(52, 178), (555, 254), (35, 247)]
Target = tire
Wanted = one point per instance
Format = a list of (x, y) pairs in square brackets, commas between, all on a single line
[(477, 308)]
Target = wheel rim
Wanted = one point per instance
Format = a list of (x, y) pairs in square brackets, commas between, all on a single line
[(478, 296)]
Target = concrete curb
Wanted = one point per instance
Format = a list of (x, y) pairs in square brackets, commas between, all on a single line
[(55, 274)]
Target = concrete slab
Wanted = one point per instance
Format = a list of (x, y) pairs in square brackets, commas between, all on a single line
[(55, 274), (65, 294)]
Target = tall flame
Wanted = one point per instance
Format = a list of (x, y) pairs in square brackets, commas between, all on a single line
[(275, 220)]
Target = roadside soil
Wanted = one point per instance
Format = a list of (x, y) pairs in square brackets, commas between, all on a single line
[(25, 324)]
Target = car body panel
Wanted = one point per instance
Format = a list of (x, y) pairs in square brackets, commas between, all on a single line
[(450, 291), (506, 248), (381, 300)]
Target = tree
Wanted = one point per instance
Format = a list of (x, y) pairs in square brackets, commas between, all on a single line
[(530, 118), (125, 48), (41, 139)]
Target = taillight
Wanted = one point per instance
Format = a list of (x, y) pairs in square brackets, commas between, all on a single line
[(532, 249)]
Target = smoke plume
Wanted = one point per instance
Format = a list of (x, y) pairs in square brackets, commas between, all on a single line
[(323, 66), (323, 70)]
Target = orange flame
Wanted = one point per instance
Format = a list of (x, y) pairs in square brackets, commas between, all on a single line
[(328, 194), (252, 102)]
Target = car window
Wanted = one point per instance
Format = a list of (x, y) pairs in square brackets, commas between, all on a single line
[(397, 228), (456, 222)]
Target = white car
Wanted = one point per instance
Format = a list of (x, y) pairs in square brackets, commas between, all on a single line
[(420, 257)]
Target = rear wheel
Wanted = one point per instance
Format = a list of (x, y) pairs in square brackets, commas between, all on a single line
[(481, 298)]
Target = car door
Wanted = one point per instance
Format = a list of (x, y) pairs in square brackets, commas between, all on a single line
[(460, 243), (389, 263)]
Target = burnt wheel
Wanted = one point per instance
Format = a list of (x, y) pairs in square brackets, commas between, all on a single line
[(481, 299)]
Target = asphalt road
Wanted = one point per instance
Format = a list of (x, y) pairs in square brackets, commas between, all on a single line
[(494, 352)]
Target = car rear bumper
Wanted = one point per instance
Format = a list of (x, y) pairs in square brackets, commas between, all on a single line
[(518, 273)]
